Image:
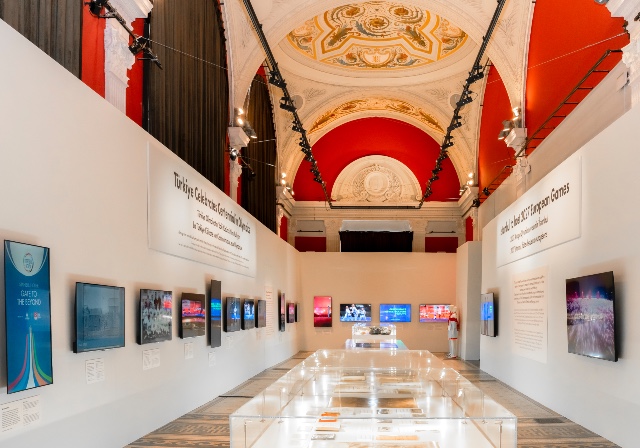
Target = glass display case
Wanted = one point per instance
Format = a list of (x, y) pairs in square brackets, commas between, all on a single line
[(372, 398), (373, 333)]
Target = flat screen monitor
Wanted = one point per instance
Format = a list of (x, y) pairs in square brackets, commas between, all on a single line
[(156, 313), (261, 314), (322, 311), (215, 314), (291, 313), (487, 315), (395, 312), (99, 317), (28, 316), (233, 315), (355, 312), (591, 316), (434, 313), (193, 317), (248, 314), (282, 316)]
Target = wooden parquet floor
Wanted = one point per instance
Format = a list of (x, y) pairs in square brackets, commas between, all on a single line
[(208, 426)]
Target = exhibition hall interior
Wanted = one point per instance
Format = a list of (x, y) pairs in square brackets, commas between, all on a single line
[(315, 224)]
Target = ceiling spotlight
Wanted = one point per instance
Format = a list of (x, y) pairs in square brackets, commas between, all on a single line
[(297, 128), (283, 182), (276, 79), (284, 175), (475, 74), (601, 2), (309, 158), (516, 112), (470, 175), (470, 182), (447, 144), (233, 154), (465, 99), (486, 191)]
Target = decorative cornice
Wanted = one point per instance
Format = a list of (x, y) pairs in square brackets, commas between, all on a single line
[(132, 9)]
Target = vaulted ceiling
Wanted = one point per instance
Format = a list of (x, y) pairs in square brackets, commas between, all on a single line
[(380, 78)]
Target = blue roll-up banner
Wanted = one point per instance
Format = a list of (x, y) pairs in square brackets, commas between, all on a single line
[(28, 316)]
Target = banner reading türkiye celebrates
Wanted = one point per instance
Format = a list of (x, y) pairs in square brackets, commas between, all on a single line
[(191, 218)]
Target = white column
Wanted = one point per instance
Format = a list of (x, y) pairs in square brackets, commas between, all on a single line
[(332, 229), (235, 170), (292, 231), (629, 9), (279, 216), (419, 227), (118, 59), (475, 222)]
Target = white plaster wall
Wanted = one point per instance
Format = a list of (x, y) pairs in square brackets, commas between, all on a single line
[(73, 178), (468, 283), (602, 396), (377, 278)]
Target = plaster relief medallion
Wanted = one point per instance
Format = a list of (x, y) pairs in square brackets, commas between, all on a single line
[(376, 179), (372, 104), (376, 35)]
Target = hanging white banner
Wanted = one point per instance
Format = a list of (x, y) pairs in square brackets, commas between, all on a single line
[(545, 216), (191, 218)]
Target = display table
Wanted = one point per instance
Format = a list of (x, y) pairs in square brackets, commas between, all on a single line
[(351, 344), (372, 398)]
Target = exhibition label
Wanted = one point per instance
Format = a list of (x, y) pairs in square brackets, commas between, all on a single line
[(191, 218), (530, 314), (545, 216)]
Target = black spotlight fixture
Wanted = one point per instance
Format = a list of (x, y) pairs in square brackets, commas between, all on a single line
[(486, 191), (233, 153), (309, 158), (464, 99), (447, 143), (276, 80), (287, 105), (475, 74), (601, 2), (297, 128)]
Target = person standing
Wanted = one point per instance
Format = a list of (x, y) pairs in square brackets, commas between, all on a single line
[(453, 328)]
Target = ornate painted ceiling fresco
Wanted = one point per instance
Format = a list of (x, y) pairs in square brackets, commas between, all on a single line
[(380, 104), (377, 35)]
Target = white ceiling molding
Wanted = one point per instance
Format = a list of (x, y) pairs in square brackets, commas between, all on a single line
[(376, 179), (506, 49)]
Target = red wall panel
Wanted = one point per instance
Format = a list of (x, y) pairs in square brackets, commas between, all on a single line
[(92, 57), (493, 154), (311, 243), (376, 136), (562, 50), (284, 226), (447, 244)]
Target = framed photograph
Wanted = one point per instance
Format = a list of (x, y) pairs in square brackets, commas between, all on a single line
[(248, 314), (27, 286), (261, 314), (233, 315), (215, 314), (282, 313), (355, 312), (591, 328), (99, 317), (322, 311), (395, 312), (156, 313), (193, 317), (291, 313), (434, 313)]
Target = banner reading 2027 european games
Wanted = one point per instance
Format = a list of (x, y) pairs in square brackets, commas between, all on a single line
[(28, 316), (191, 218), (545, 216)]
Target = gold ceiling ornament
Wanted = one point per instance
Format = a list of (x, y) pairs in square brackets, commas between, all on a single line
[(377, 35), (382, 104)]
